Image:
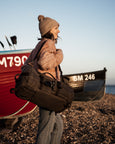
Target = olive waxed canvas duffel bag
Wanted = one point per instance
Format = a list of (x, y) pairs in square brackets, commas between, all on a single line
[(43, 90)]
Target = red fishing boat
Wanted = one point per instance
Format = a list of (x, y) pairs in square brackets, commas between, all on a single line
[(10, 64)]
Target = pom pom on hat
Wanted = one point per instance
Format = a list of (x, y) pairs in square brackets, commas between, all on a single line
[(46, 24), (40, 18)]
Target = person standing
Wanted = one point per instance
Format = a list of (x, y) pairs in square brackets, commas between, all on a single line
[(50, 126)]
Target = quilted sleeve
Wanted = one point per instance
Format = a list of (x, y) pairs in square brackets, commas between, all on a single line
[(50, 57)]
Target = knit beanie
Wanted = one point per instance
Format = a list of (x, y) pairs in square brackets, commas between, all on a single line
[(46, 24)]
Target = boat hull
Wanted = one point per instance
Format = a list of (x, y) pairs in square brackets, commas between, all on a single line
[(10, 64), (87, 86)]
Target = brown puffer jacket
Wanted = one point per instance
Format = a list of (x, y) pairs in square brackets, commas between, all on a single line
[(48, 59)]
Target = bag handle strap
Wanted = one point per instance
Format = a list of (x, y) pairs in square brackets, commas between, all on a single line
[(60, 70), (49, 74), (61, 73), (39, 49)]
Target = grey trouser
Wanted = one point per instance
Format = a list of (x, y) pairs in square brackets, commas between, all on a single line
[(50, 127)]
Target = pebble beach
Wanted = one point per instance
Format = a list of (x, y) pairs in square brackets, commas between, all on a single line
[(84, 123)]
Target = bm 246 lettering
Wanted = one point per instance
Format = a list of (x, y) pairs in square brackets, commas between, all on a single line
[(85, 77)]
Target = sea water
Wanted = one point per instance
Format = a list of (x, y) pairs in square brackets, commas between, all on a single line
[(110, 89)]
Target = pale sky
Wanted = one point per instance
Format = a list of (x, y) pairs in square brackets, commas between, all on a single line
[(87, 30)]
